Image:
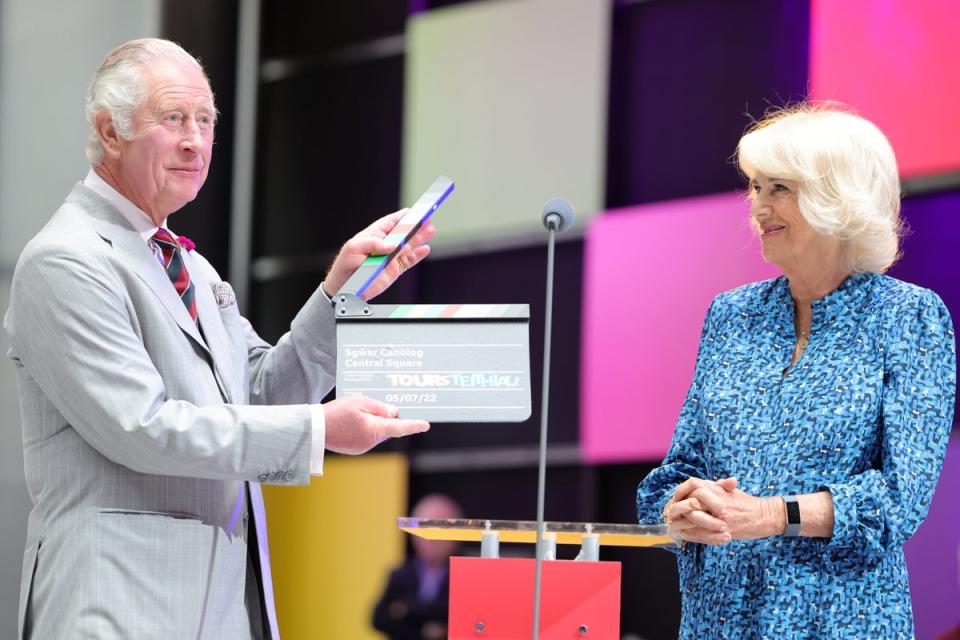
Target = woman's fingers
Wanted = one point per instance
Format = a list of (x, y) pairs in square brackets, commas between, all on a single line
[(681, 525), (704, 536), (727, 484), (713, 498), (688, 513), (706, 521), (693, 512), (682, 508), (688, 486), (706, 498)]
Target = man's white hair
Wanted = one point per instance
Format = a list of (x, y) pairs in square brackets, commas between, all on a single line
[(119, 87), (848, 184)]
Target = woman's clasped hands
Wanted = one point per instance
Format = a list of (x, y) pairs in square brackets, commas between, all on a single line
[(716, 512)]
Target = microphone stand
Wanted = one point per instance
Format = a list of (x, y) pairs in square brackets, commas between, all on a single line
[(552, 222)]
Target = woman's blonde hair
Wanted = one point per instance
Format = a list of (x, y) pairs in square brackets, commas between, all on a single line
[(848, 184)]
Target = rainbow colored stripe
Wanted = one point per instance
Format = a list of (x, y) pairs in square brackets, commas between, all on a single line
[(419, 213), (407, 312), (453, 311)]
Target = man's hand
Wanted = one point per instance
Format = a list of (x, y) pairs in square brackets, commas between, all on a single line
[(370, 242), (356, 424), (717, 512)]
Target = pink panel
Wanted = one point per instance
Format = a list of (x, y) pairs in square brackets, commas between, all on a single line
[(650, 273), (896, 63)]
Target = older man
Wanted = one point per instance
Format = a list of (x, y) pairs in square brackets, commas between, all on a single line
[(142, 387)]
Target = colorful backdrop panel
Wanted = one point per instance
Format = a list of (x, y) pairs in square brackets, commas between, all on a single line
[(930, 247), (933, 555), (650, 273), (508, 99), (677, 110), (896, 63), (333, 543)]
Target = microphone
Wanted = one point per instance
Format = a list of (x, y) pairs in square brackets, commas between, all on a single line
[(557, 214)]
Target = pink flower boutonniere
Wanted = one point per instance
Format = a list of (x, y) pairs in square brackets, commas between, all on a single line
[(187, 243)]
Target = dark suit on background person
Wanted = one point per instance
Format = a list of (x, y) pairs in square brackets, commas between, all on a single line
[(406, 607)]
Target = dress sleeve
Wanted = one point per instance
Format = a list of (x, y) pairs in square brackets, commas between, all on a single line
[(879, 509), (685, 457)]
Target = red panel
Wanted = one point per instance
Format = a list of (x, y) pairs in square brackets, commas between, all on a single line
[(499, 594), (895, 62)]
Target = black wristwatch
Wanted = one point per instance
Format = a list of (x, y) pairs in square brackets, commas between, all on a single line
[(793, 516)]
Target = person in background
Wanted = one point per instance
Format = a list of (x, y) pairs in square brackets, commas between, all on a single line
[(811, 440), (414, 604)]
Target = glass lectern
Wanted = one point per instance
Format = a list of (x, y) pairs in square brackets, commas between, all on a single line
[(492, 597)]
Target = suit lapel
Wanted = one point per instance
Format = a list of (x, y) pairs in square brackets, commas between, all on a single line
[(218, 342), (113, 227)]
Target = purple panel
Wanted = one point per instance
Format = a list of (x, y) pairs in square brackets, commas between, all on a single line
[(930, 260), (930, 249), (933, 555), (683, 77)]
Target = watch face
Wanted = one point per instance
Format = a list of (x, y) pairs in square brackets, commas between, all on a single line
[(793, 512), (793, 517)]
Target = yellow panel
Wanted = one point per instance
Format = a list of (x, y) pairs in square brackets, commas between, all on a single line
[(333, 543)]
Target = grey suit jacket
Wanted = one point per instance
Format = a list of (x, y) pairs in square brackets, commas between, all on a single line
[(140, 431)]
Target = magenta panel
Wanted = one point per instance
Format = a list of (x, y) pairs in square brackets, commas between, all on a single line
[(896, 63), (650, 273)]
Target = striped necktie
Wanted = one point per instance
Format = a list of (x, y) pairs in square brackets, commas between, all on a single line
[(176, 270)]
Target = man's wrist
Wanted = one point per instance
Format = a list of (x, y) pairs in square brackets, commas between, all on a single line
[(323, 290), (318, 438)]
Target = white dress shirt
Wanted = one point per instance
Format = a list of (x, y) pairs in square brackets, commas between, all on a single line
[(146, 227)]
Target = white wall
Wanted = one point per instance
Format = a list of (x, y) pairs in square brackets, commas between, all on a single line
[(49, 50)]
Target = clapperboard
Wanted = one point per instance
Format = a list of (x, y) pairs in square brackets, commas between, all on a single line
[(442, 363)]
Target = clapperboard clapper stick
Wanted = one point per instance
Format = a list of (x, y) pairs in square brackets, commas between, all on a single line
[(435, 362)]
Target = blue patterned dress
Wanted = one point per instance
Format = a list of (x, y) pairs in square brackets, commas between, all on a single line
[(865, 414)]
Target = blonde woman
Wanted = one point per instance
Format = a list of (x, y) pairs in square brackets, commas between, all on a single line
[(812, 437)]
